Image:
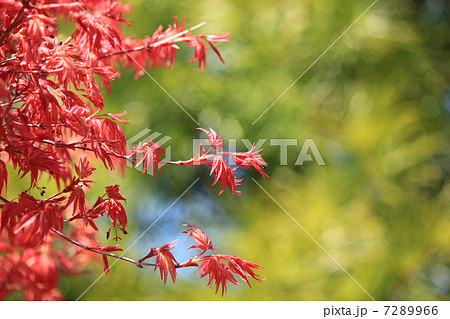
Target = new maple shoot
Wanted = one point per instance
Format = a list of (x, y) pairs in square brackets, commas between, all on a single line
[(53, 120)]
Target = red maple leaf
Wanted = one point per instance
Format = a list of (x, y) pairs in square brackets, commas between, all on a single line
[(114, 136), (75, 122), (38, 160), (203, 242), (113, 192), (82, 168), (199, 52), (36, 220), (117, 215), (101, 152), (214, 140), (165, 261), (212, 265), (200, 47), (218, 272), (104, 257), (77, 198), (250, 159), (221, 274), (224, 174), (150, 156), (243, 268)]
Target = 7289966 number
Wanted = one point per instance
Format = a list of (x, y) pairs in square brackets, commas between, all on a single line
[(411, 310)]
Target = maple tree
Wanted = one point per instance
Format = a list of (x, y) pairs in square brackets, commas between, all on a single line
[(53, 124)]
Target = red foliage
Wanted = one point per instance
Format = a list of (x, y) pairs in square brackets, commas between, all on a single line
[(150, 156), (33, 273), (165, 261), (211, 265), (215, 158), (250, 159), (214, 140), (105, 257), (51, 117), (203, 242)]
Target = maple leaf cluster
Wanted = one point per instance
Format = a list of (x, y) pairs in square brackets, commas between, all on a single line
[(210, 265), (224, 174), (214, 157), (53, 125)]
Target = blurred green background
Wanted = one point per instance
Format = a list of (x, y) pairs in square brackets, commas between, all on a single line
[(377, 106)]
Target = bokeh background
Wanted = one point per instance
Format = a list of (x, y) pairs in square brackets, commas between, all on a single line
[(377, 106)]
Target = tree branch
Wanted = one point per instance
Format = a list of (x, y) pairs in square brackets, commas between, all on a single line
[(155, 44), (84, 148), (137, 263)]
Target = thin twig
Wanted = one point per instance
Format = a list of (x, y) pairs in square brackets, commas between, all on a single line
[(125, 157), (41, 72), (155, 44), (50, 6), (8, 60), (137, 263), (84, 148)]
